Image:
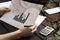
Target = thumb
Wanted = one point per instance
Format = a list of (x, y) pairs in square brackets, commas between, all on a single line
[(32, 27)]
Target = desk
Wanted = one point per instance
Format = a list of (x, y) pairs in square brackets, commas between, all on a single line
[(8, 28)]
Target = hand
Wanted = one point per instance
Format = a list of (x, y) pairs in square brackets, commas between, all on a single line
[(28, 31), (4, 10), (53, 17)]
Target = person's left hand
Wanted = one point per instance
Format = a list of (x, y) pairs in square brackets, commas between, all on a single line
[(4, 10)]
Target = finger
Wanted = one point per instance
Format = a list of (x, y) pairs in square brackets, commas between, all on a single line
[(6, 9), (34, 30), (32, 27)]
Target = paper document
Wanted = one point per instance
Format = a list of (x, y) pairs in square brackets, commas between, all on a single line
[(39, 20), (20, 16), (5, 4), (53, 10)]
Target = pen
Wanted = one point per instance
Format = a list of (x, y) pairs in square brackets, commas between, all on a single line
[(28, 25)]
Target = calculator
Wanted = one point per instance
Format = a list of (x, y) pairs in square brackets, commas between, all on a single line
[(46, 31)]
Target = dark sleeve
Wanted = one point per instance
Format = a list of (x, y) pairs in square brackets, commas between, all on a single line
[(4, 0), (6, 28), (38, 1)]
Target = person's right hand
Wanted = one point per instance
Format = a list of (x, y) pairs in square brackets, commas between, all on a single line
[(53, 17), (28, 31)]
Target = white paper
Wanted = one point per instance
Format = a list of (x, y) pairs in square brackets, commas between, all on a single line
[(18, 4), (5, 4), (53, 10), (16, 16), (39, 20)]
